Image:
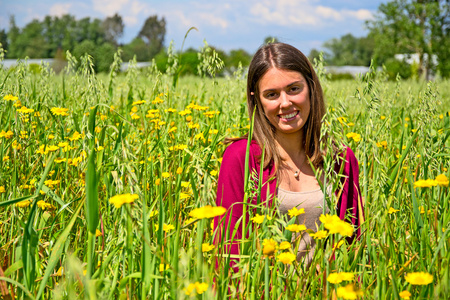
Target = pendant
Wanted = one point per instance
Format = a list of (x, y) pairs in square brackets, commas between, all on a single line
[(296, 174)]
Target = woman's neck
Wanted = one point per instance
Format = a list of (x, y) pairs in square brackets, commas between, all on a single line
[(291, 147)]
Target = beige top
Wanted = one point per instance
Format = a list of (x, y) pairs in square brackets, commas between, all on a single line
[(312, 202)]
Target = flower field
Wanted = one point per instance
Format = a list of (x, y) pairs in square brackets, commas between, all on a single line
[(107, 190)]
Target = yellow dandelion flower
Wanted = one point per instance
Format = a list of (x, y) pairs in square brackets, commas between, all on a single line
[(341, 227), (24, 110), (139, 102), (286, 258), (207, 247), (382, 144), (419, 278), (338, 245), (405, 295), (163, 267), (184, 196), (355, 136), (22, 204), (200, 288), (59, 111), (258, 219), (165, 174), (75, 136), (321, 234), (60, 272), (8, 134), (392, 210), (294, 212), (10, 98), (98, 233), (119, 200), (168, 227), (185, 112), (442, 180), (285, 245), (336, 278), (51, 148), (45, 205), (193, 125), (296, 227), (207, 211), (269, 247), (214, 173), (424, 183), (157, 100), (342, 120), (179, 170), (349, 292), (328, 219), (185, 184)]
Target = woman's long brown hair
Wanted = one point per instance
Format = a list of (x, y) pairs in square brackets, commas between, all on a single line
[(285, 57)]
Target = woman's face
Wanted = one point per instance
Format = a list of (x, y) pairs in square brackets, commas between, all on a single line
[(284, 96)]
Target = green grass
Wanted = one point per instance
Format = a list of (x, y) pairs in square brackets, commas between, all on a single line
[(83, 246)]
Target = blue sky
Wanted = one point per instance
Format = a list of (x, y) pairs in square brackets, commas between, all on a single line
[(226, 24)]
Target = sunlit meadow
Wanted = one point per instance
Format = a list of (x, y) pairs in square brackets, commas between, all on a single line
[(107, 189)]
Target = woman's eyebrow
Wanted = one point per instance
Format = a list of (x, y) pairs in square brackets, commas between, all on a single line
[(289, 85)]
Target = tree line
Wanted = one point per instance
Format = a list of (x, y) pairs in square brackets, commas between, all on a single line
[(419, 28), (53, 36), (412, 28)]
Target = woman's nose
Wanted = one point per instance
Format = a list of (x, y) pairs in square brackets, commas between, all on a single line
[(284, 100)]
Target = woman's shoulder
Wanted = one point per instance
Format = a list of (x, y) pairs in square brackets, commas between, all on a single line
[(239, 148), (345, 151), (345, 157)]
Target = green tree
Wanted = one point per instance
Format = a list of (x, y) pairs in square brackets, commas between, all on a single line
[(104, 56), (153, 33), (136, 47), (413, 26), (4, 39), (30, 41), (270, 39), (349, 50), (86, 46), (113, 29), (313, 54), (235, 57), (13, 34)]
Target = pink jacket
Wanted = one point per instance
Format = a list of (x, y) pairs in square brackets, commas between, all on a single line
[(230, 190)]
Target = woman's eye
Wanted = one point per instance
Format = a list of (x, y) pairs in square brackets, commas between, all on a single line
[(271, 95), (294, 89)]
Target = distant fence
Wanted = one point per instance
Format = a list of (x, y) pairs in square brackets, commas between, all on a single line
[(8, 63), (352, 70)]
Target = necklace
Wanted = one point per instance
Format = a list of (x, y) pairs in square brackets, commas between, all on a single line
[(296, 173)]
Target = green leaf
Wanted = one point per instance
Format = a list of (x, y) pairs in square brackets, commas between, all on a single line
[(57, 251)]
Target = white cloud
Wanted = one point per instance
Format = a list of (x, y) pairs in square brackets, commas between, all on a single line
[(293, 13), (213, 20), (60, 9), (328, 13), (109, 7), (361, 14)]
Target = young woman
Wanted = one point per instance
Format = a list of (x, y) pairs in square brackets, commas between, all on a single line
[(285, 93)]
